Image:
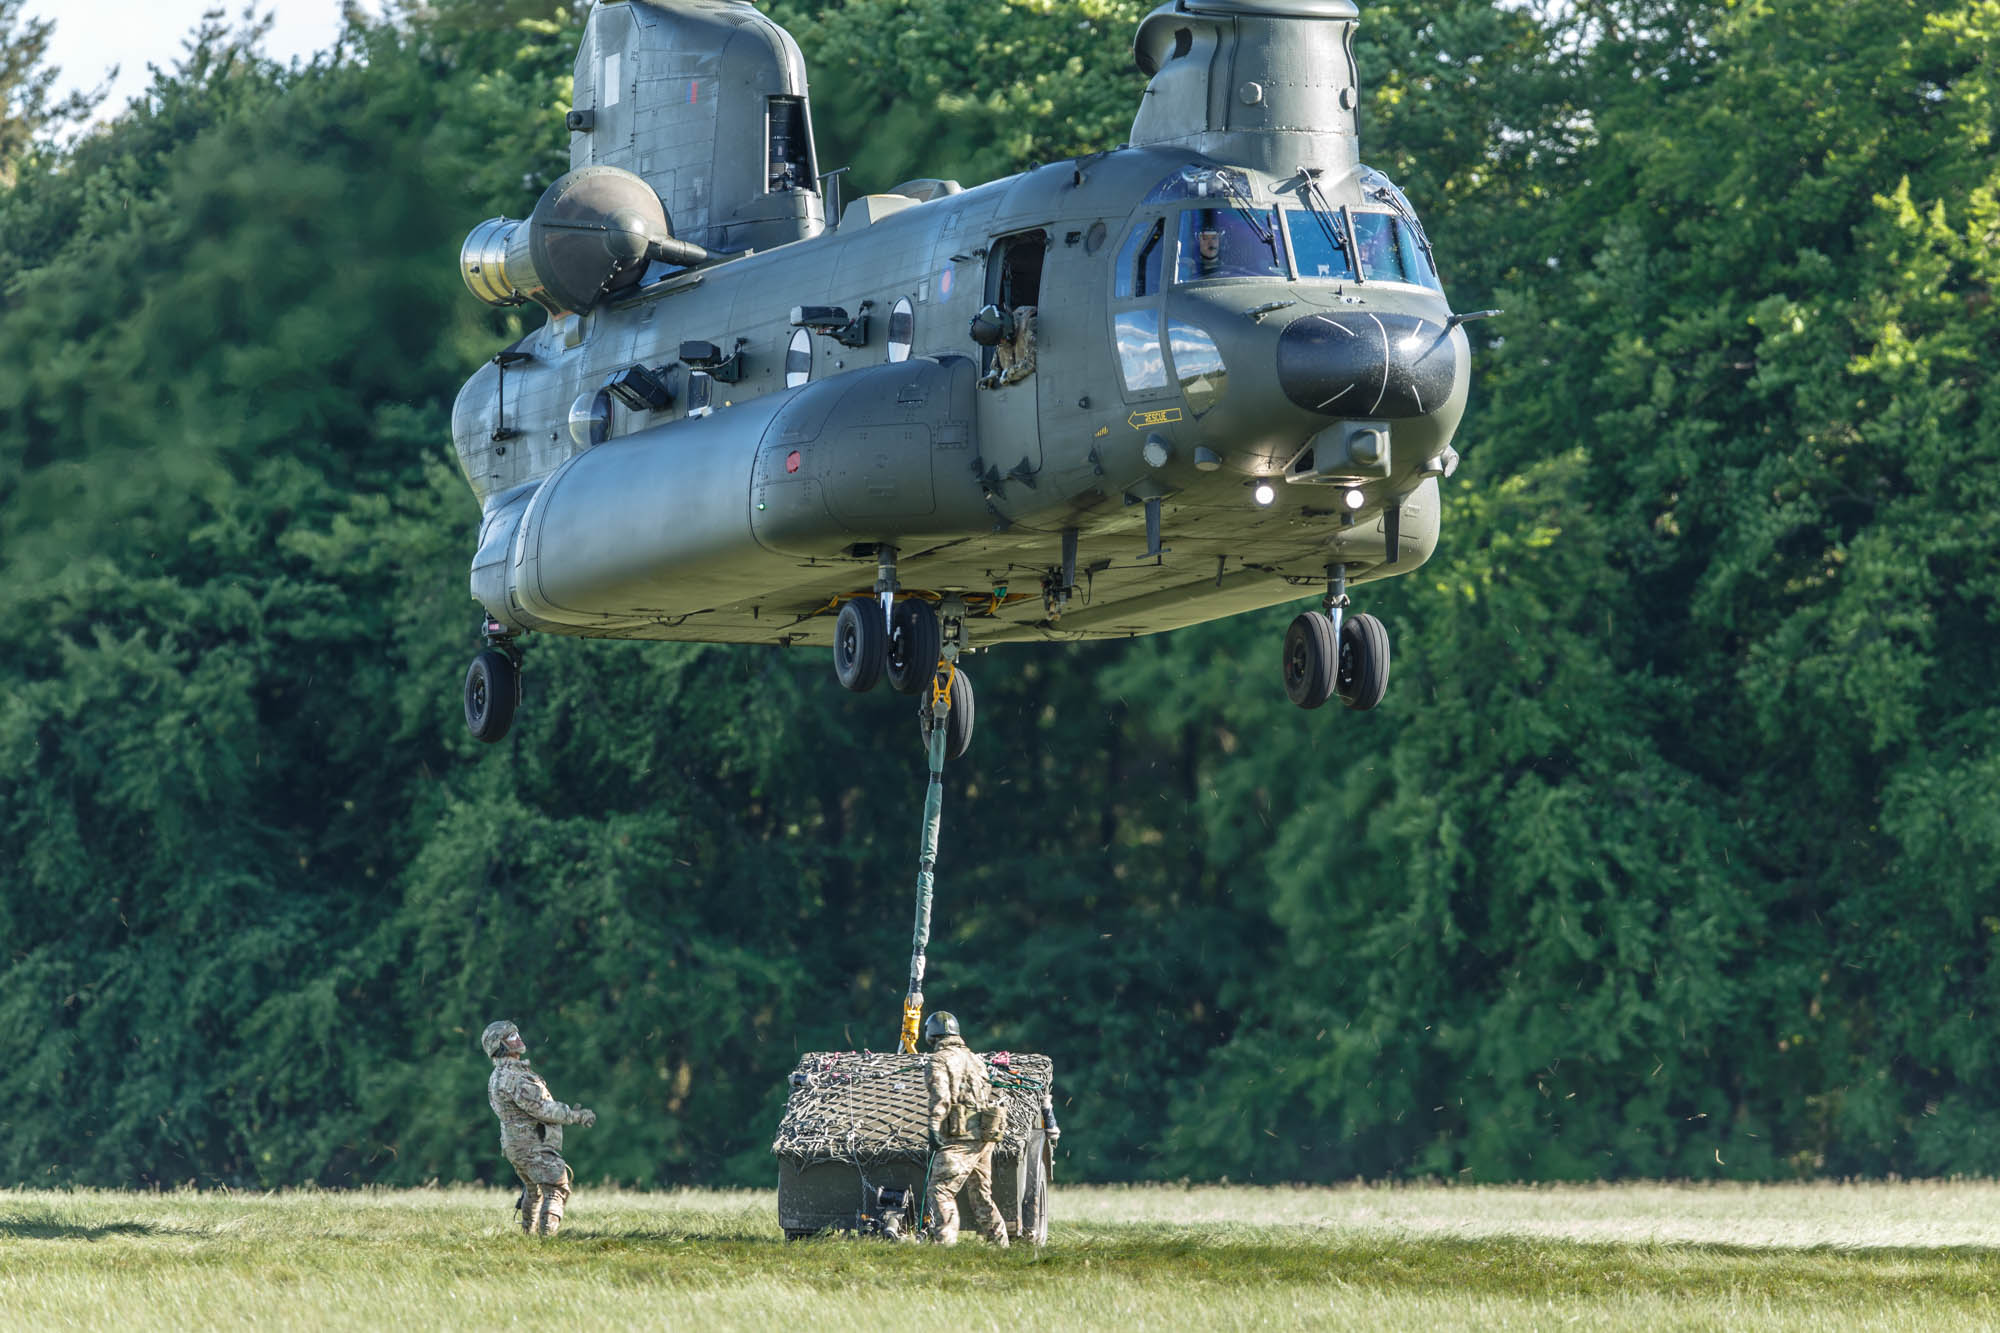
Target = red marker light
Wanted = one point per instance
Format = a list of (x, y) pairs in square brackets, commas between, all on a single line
[(792, 461)]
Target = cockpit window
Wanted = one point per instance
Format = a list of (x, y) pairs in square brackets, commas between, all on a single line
[(1139, 261), (1319, 244), (1232, 242), (1392, 250), (1411, 249)]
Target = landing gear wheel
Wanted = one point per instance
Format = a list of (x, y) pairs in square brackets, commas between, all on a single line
[(916, 642), (860, 645), (1309, 660), (492, 689), (1364, 661), (958, 723)]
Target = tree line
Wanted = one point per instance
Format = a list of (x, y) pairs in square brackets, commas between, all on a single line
[(1671, 853)]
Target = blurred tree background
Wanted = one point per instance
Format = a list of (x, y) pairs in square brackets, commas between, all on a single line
[(1672, 852)]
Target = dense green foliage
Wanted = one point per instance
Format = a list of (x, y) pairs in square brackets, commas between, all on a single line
[(1671, 853)]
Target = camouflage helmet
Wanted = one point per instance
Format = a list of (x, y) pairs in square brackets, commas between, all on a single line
[(494, 1040), (941, 1024)]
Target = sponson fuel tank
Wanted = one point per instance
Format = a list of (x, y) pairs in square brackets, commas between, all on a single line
[(630, 532)]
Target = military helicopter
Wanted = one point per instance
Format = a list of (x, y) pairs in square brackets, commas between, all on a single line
[(1194, 375)]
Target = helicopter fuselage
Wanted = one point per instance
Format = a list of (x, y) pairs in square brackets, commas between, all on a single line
[(1270, 418)]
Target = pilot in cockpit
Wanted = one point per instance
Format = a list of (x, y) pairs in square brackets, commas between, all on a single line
[(1208, 249), (1229, 243)]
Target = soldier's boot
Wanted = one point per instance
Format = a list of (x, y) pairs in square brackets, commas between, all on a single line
[(530, 1200), (549, 1216)]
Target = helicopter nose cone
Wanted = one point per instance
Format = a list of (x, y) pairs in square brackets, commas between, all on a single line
[(1367, 364)]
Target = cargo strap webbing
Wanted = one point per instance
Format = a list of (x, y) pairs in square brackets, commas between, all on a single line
[(927, 844), (920, 935)]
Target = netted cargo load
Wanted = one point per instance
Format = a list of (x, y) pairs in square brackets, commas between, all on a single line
[(858, 1121)]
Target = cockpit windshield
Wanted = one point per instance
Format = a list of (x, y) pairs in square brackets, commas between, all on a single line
[(1392, 250), (1320, 244), (1235, 241), (1368, 242)]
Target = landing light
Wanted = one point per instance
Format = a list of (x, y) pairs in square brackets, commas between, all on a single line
[(1264, 493), (1355, 499)]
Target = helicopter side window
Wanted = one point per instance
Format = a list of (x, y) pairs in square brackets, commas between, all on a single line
[(1391, 251), (1231, 242), (1319, 244), (799, 359), (1144, 365), (1139, 261)]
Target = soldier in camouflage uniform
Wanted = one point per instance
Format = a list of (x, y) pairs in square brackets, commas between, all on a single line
[(531, 1124), (962, 1138)]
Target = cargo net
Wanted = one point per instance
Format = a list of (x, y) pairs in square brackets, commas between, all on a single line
[(858, 1106)]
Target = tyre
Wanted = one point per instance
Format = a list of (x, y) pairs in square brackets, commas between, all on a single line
[(860, 645), (1364, 661), (1309, 660), (1035, 1198), (958, 723), (916, 641), (492, 690)]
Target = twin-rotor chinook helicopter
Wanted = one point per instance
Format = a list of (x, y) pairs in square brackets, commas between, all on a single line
[(1110, 396)]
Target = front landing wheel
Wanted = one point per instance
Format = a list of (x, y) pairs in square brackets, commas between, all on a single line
[(1309, 660), (1364, 661), (915, 643), (860, 645)]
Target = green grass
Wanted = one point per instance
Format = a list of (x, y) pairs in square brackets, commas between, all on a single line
[(1917, 1256)]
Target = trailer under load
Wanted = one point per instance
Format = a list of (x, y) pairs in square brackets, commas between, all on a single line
[(857, 1124)]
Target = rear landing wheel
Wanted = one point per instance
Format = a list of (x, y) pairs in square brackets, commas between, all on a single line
[(1364, 661), (860, 645), (492, 689)]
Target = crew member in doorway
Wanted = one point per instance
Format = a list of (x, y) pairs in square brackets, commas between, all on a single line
[(531, 1128), (967, 1120), (1015, 356)]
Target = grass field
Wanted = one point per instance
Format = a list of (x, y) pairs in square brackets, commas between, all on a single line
[(1916, 1256)]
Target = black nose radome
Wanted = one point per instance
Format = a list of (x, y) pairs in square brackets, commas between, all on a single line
[(1367, 365)]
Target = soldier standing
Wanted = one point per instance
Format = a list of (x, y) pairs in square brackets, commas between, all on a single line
[(531, 1124), (966, 1122)]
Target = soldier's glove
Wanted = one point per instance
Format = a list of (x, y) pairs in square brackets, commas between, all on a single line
[(935, 1141), (586, 1118)]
